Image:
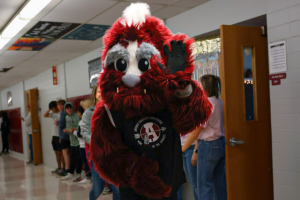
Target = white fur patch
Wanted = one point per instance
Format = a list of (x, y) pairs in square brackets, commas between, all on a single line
[(133, 63), (136, 13)]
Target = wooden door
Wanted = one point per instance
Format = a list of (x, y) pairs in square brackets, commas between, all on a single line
[(32, 98), (245, 92)]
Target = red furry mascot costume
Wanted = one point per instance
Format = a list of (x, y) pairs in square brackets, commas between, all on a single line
[(148, 99)]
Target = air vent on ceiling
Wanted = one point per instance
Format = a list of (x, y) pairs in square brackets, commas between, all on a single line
[(3, 70)]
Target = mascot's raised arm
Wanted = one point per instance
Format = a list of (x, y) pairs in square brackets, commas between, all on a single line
[(149, 99)]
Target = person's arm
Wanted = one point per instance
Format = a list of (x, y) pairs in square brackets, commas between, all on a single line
[(86, 125), (120, 165), (61, 123), (47, 113), (191, 139), (186, 100), (194, 156)]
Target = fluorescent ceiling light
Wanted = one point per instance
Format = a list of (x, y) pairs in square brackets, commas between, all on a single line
[(32, 8), (3, 42), (14, 27)]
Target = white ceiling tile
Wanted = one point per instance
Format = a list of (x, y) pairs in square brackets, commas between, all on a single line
[(190, 3), (77, 11), (9, 63), (17, 55), (169, 11), (7, 10), (165, 2), (70, 56), (49, 56), (46, 10), (112, 14), (66, 45), (90, 47)]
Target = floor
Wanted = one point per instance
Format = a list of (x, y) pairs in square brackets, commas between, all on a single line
[(21, 181)]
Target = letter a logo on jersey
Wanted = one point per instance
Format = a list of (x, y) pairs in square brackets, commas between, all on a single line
[(152, 130)]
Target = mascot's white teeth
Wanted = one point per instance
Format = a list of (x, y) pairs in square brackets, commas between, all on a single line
[(136, 13)]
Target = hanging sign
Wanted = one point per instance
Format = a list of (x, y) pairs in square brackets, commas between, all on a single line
[(277, 57), (276, 78), (54, 75), (94, 71)]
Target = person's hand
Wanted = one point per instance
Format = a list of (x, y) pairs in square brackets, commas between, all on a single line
[(194, 159), (22, 118), (74, 129), (59, 140), (55, 122), (65, 130)]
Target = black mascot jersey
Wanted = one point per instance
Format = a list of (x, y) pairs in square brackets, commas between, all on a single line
[(155, 137)]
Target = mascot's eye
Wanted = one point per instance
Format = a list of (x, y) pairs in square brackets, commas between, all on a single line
[(144, 64), (121, 65)]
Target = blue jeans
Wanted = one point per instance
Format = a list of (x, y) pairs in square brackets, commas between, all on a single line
[(30, 147), (98, 186), (211, 177), (190, 171)]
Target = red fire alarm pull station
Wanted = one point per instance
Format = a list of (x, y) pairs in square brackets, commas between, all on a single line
[(54, 74), (276, 78)]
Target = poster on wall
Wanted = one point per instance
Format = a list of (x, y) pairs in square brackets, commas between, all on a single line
[(30, 44), (94, 71), (277, 57), (51, 30), (9, 99), (87, 32)]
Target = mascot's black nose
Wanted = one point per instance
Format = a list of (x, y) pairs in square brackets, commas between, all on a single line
[(131, 80)]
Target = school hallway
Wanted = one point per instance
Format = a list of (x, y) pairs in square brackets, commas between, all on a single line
[(21, 181)]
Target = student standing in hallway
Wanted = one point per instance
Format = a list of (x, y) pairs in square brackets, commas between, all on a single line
[(63, 137), (98, 182), (5, 130), (211, 146), (27, 121), (54, 113), (72, 121)]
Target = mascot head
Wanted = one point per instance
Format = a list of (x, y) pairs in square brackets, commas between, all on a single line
[(132, 81)]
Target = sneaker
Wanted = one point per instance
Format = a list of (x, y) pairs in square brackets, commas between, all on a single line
[(55, 171), (77, 178), (61, 172), (106, 191), (29, 162), (85, 180), (68, 176)]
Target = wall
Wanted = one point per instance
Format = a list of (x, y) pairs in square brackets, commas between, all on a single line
[(18, 102), (283, 20), (284, 24), (209, 16), (77, 76)]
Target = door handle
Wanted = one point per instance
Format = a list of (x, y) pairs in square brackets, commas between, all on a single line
[(234, 142), (35, 130)]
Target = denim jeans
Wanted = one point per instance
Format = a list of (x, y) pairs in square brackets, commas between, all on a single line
[(30, 147), (211, 177), (98, 186), (190, 171)]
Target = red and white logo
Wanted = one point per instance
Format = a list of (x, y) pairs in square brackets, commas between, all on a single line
[(150, 131)]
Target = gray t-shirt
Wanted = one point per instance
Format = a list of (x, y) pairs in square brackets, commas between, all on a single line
[(55, 128)]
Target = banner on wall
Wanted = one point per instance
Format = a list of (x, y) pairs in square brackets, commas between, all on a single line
[(87, 32), (54, 75), (51, 30), (94, 71)]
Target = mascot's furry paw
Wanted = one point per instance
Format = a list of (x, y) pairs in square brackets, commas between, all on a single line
[(145, 181)]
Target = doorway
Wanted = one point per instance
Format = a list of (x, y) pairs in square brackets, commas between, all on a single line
[(32, 104), (244, 72)]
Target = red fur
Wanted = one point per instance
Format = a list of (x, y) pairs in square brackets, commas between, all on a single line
[(115, 162)]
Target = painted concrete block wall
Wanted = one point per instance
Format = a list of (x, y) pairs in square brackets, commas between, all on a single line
[(17, 102), (77, 77), (209, 16), (284, 24), (47, 92)]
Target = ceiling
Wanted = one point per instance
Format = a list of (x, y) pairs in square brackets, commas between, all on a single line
[(27, 64)]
